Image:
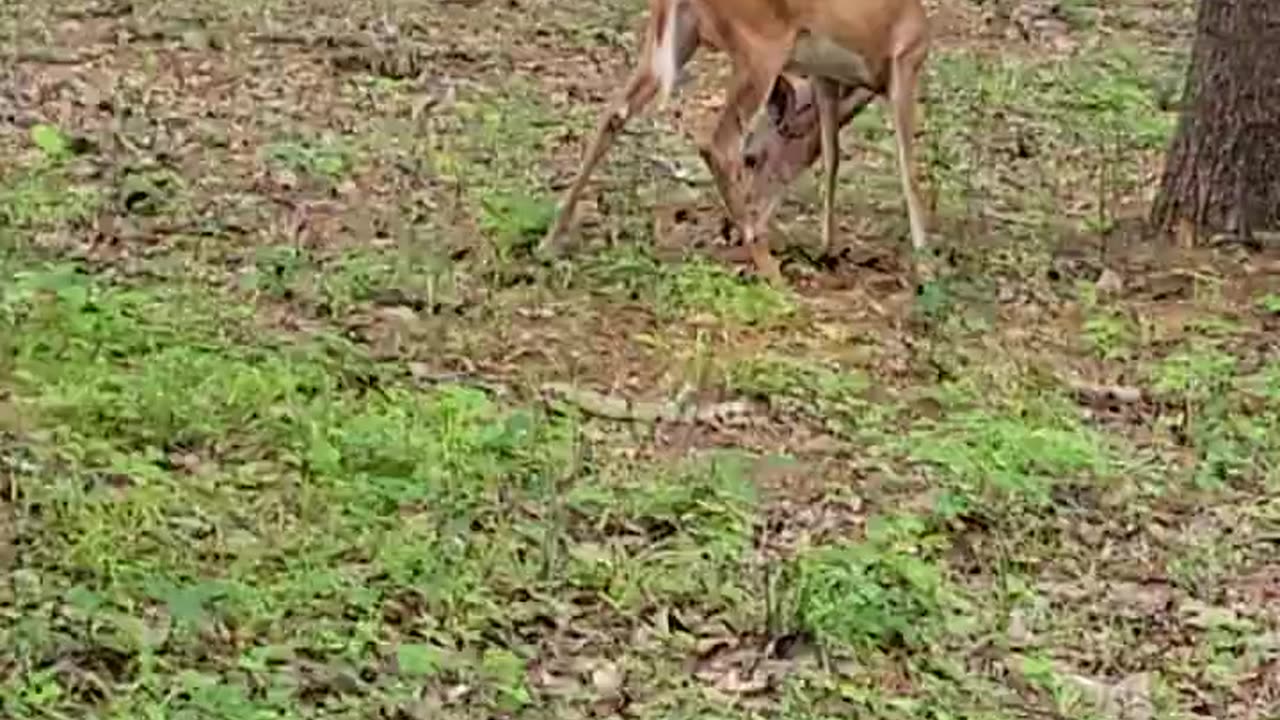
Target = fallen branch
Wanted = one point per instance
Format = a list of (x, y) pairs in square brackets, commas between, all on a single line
[(613, 407), (564, 397), (311, 39), (423, 375), (1108, 394), (54, 56), (1260, 238)]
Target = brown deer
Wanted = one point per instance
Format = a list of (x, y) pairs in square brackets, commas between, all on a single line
[(849, 50)]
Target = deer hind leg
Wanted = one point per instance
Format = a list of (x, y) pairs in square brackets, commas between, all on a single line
[(639, 92), (671, 42), (753, 78), (904, 75)]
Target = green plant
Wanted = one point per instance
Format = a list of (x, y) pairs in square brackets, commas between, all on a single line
[(1107, 332), (325, 159), (879, 593), (695, 288), (1198, 374), (52, 142), (817, 389), (43, 196), (1110, 335), (516, 220), (250, 475), (985, 458), (699, 286), (694, 521), (1269, 303)]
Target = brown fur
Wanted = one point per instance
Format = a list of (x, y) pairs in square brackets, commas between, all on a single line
[(848, 49)]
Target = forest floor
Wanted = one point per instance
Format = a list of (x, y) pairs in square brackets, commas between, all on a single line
[(292, 425)]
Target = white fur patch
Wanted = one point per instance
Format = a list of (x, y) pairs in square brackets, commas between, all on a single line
[(664, 55)]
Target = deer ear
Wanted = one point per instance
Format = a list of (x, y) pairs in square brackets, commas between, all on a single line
[(782, 100)]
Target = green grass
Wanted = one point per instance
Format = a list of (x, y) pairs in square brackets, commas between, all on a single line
[(42, 194), (188, 486), (326, 159), (693, 289), (885, 591), (271, 444)]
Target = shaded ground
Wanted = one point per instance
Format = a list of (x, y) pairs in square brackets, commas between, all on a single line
[(291, 425)]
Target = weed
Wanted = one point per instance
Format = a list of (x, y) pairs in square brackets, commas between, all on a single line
[(414, 277), (52, 142), (42, 197), (1107, 332), (805, 386), (697, 522), (1198, 374), (496, 164), (222, 495), (699, 286), (1103, 98), (1269, 303), (877, 594), (986, 457), (693, 288), (1110, 335), (326, 159), (516, 221), (1233, 444), (276, 270), (130, 394)]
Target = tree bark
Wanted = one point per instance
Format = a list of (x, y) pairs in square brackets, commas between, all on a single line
[(1222, 171)]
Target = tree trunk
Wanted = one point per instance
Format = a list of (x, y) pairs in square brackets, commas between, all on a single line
[(1222, 172)]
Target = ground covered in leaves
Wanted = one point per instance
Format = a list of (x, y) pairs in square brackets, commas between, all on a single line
[(292, 425)]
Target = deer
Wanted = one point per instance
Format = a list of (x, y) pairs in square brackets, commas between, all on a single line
[(849, 52)]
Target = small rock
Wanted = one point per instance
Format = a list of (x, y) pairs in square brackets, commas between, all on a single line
[(607, 679), (188, 462), (1018, 633), (196, 41), (286, 179), (398, 313), (1109, 282)]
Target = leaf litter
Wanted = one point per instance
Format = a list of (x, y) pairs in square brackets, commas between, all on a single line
[(302, 128)]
